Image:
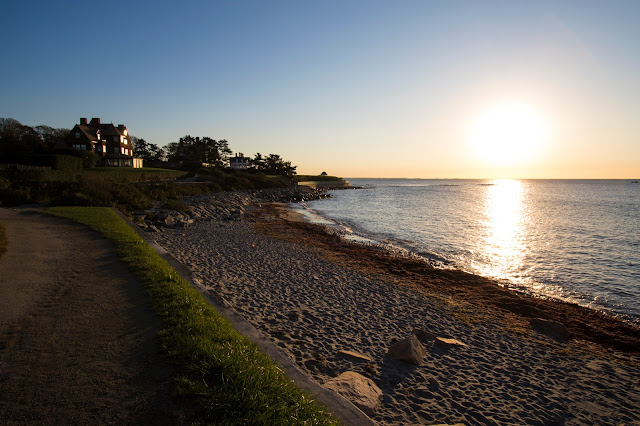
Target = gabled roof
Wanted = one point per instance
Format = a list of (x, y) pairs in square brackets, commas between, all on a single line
[(110, 129), (90, 132)]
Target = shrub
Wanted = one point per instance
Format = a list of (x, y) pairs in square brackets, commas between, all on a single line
[(67, 163)]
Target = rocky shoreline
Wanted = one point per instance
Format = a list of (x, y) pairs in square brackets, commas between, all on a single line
[(436, 351), (224, 206)]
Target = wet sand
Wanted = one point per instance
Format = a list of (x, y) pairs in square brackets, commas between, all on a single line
[(314, 294)]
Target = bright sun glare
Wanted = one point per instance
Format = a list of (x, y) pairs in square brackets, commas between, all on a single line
[(508, 134)]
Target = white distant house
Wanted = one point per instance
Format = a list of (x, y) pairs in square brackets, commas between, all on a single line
[(239, 161)]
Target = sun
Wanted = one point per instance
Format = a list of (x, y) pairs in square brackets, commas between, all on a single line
[(508, 134)]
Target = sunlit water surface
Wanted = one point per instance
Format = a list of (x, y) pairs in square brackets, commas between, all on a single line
[(573, 240)]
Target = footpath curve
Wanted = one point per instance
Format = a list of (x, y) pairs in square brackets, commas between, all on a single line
[(77, 334)]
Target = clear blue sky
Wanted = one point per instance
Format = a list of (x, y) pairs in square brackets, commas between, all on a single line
[(354, 88)]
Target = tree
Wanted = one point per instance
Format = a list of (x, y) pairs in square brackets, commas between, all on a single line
[(51, 136), (257, 162), (195, 151), (145, 150), (273, 165), (18, 141)]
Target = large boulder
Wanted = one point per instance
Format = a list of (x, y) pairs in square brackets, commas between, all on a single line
[(409, 350), (361, 391)]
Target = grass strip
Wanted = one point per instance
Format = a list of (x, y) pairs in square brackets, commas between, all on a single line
[(226, 374)]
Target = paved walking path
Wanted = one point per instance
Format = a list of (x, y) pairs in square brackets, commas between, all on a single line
[(77, 335)]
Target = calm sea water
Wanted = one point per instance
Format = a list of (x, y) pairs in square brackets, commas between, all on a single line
[(576, 240)]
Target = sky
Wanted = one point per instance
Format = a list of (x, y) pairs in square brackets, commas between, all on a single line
[(414, 89)]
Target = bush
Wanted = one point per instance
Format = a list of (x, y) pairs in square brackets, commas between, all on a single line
[(67, 163), (11, 195)]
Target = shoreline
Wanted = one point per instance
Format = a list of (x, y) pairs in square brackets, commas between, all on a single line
[(400, 249), (584, 323), (315, 295)]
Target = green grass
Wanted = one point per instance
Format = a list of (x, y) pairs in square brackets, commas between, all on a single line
[(3, 240), (222, 371)]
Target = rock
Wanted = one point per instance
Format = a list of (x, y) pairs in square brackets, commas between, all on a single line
[(444, 341), (554, 329), (409, 350), (170, 220), (362, 392), (355, 355), (424, 335)]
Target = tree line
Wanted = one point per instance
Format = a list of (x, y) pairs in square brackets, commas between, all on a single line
[(192, 151), (20, 143)]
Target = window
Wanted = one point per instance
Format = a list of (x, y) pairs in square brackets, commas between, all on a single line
[(77, 135)]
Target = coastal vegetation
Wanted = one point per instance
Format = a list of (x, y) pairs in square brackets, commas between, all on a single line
[(124, 188), (229, 379), (34, 169)]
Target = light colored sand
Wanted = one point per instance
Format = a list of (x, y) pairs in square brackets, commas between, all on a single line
[(312, 308)]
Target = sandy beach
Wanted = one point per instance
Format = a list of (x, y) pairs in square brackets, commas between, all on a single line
[(315, 295)]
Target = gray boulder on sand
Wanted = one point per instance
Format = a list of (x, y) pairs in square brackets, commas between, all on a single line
[(362, 392), (408, 350), (554, 329)]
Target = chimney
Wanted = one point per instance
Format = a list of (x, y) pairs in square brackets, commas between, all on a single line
[(95, 122), (83, 121)]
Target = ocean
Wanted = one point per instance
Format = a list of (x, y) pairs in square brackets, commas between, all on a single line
[(574, 240)]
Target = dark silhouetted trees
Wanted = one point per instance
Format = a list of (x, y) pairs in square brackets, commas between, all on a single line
[(272, 165), (19, 141), (149, 152), (195, 151)]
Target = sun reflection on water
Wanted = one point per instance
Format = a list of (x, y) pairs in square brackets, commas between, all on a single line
[(505, 225)]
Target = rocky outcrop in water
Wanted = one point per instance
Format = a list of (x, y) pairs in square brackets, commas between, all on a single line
[(225, 206)]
